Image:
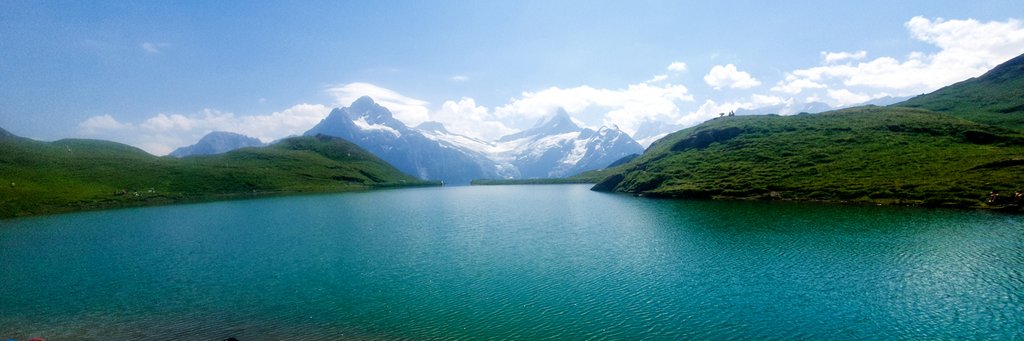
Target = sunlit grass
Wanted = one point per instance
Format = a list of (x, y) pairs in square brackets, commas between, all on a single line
[(867, 154), (45, 177)]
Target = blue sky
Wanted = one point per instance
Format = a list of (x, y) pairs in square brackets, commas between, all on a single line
[(160, 75)]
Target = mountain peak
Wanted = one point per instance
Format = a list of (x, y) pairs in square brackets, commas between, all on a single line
[(557, 123), (218, 142), (363, 102), (214, 135), (373, 112), (366, 104), (432, 126), (560, 120)]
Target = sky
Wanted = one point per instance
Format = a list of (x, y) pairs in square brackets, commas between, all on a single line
[(160, 75)]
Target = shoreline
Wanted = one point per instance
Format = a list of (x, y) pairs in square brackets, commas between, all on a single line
[(121, 202), (886, 202)]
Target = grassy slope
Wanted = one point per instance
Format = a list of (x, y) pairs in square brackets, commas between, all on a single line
[(995, 98), (866, 154), (69, 175), (597, 175)]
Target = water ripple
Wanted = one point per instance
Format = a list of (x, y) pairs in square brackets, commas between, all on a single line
[(519, 263)]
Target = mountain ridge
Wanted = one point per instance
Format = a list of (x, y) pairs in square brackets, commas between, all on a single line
[(373, 127), (555, 147), (217, 142), (865, 154), (559, 123), (900, 154), (80, 174), (996, 97)]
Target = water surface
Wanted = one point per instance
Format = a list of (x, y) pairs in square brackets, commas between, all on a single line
[(511, 262)]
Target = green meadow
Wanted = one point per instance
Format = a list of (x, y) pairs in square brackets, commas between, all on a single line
[(70, 175)]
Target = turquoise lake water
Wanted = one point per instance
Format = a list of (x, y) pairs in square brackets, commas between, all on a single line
[(511, 262)]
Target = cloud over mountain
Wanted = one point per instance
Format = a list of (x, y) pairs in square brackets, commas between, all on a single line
[(409, 110), (966, 48), (162, 133), (954, 49)]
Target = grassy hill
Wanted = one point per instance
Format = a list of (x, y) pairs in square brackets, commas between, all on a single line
[(47, 177), (995, 98), (866, 154)]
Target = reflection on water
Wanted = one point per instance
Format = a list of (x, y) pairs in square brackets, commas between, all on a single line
[(512, 262)]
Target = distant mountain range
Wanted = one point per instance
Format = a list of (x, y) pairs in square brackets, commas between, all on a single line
[(815, 107), (555, 147), (951, 147), (372, 127), (216, 143)]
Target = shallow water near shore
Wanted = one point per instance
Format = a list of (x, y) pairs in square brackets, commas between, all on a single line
[(512, 262)]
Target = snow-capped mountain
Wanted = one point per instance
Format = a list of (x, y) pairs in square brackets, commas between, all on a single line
[(556, 147), (218, 142), (372, 127)]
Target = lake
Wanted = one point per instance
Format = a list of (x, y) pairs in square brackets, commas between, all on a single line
[(512, 262)]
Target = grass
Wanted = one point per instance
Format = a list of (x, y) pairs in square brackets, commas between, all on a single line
[(71, 175), (867, 154), (995, 98)]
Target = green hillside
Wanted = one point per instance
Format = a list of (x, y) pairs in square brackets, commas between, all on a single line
[(866, 154), (995, 98), (67, 175)]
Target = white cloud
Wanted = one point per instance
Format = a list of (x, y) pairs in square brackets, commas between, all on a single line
[(626, 108), (834, 57), (967, 48), (154, 48), (793, 85), (844, 97), (97, 124), (708, 110), (727, 76), (409, 110), (711, 109), (657, 79), (760, 101), (465, 117), (292, 121), (163, 122), (162, 133), (964, 48), (677, 66)]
